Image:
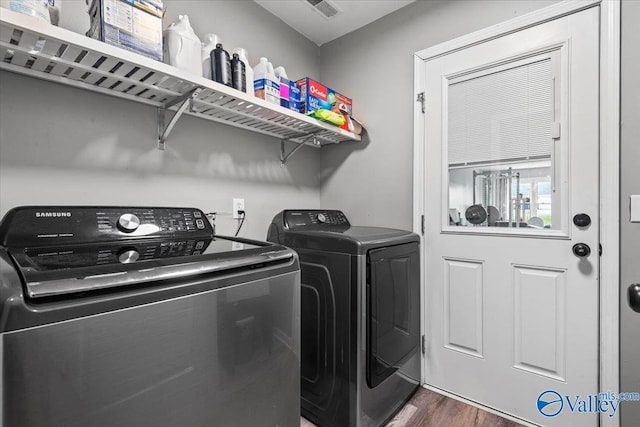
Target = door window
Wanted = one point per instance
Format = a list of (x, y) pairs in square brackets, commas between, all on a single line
[(504, 162)]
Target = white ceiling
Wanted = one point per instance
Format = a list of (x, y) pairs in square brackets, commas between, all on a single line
[(352, 14)]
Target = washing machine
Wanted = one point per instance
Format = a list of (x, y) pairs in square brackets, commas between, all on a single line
[(360, 316), (142, 316)]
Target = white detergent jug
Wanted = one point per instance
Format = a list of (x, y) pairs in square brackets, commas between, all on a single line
[(210, 42), (182, 47), (265, 82), (275, 81)]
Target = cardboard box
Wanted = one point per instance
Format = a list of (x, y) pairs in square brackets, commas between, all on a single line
[(285, 85), (315, 95), (289, 94), (134, 25), (294, 96)]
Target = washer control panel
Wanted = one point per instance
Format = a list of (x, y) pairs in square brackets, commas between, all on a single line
[(315, 219), (48, 225), (138, 222)]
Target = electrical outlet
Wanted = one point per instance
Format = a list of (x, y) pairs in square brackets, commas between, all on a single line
[(238, 205)]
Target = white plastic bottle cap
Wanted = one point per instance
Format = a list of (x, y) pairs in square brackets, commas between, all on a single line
[(280, 72)]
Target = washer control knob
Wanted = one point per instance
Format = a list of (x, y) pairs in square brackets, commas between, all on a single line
[(128, 255), (128, 223), (322, 218)]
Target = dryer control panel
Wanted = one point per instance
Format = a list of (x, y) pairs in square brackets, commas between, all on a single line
[(315, 219)]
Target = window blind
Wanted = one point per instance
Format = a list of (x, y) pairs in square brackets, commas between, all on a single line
[(501, 116)]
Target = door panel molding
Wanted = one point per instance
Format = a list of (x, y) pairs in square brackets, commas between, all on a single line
[(540, 324), (463, 306)]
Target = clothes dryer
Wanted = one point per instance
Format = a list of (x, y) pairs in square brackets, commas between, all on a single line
[(360, 316)]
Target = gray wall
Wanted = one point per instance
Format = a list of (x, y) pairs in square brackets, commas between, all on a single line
[(372, 181), (60, 145), (630, 232)]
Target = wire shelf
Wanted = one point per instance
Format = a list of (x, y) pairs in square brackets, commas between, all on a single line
[(34, 48)]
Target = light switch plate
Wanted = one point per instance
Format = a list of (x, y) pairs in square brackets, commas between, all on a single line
[(635, 208)]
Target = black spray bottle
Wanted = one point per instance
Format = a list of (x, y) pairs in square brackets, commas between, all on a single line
[(238, 73), (221, 66)]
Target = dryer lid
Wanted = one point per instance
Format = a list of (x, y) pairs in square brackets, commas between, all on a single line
[(331, 231), (354, 240)]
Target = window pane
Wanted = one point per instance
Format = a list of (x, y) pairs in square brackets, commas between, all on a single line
[(500, 148)]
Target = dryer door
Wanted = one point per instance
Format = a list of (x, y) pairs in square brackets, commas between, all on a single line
[(393, 309)]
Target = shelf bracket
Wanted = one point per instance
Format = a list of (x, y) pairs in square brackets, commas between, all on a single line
[(185, 101), (284, 156)]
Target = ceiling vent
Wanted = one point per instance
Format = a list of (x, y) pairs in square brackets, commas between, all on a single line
[(323, 7)]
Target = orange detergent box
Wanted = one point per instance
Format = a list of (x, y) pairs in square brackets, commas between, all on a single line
[(314, 95)]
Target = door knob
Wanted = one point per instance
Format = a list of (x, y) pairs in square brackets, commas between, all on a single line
[(634, 297), (581, 250), (582, 220)]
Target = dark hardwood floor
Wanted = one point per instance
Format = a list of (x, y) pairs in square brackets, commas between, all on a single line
[(429, 409)]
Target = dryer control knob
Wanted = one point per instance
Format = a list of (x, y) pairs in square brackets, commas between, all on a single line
[(128, 222), (128, 256), (322, 218)]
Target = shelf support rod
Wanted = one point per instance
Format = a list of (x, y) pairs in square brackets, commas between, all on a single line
[(285, 156), (185, 101)]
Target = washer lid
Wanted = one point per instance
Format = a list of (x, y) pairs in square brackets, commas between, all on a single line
[(53, 271)]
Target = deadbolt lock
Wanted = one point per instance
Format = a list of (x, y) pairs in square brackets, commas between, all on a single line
[(581, 250)]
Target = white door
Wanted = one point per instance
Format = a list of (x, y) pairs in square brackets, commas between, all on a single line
[(511, 156)]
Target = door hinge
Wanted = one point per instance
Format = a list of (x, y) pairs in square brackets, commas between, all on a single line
[(422, 226), (424, 345), (421, 100)]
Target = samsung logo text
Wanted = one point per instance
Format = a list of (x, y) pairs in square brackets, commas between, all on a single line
[(52, 214)]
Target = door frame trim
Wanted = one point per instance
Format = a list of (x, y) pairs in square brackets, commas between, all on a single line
[(609, 169), (610, 21)]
